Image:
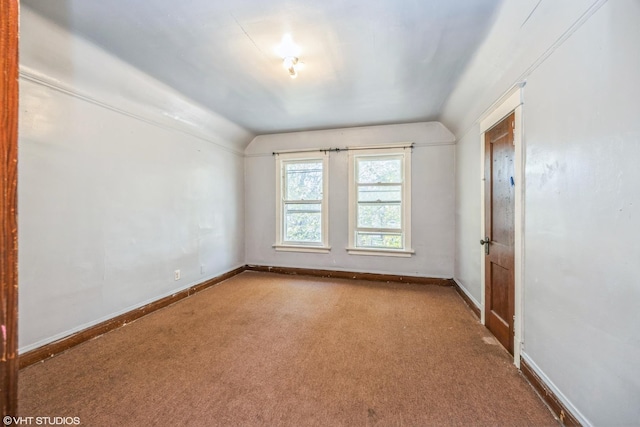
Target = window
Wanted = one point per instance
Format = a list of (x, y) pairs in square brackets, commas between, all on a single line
[(380, 202), (301, 193)]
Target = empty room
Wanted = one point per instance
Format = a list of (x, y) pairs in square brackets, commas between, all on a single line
[(347, 212)]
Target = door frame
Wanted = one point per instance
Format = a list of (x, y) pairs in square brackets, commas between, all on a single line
[(9, 23), (511, 101)]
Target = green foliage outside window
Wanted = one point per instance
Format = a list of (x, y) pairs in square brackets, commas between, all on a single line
[(379, 202), (303, 201)]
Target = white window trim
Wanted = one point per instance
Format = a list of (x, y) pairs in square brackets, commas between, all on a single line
[(281, 245), (407, 251)]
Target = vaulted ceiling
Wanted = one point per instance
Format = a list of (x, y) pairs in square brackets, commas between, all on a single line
[(366, 61)]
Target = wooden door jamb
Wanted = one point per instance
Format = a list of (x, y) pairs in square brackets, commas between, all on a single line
[(512, 101)]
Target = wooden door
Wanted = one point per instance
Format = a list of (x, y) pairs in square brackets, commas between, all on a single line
[(499, 231), (8, 226)]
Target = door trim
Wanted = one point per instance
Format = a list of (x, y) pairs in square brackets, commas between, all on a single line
[(512, 101), (9, 24)]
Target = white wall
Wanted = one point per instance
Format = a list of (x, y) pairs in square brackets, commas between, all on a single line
[(116, 190), (582, 202), (432, 199), (467, 217)]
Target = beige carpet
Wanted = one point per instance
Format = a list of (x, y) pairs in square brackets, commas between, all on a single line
[(267, 349)]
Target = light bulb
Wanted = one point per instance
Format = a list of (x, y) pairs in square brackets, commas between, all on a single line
[(287, 47)]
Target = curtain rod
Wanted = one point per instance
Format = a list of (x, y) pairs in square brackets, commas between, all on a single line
[(337, 150)]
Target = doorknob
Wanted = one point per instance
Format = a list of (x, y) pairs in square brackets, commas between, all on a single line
[(486, 242)]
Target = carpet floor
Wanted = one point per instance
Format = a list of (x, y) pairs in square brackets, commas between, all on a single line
[(268, 349)]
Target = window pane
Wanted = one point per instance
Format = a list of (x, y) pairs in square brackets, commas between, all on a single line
[(303, 181), (303, 223), (386, 170), (379, 215), (380, 193), (379, 240)]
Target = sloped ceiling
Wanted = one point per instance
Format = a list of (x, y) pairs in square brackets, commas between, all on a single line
[(367, 61)]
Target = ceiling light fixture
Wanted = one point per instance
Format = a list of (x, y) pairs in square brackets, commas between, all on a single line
[(292, 64), (290, 52)]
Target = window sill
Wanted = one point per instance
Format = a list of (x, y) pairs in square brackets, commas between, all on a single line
[(406, 253), (309, 249)]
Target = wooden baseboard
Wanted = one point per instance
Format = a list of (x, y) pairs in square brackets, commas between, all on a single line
[(351, 275), (466, 299), (557, 407), (63, 344)]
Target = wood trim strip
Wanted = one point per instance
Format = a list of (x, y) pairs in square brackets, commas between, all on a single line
[(52, 349), (549, 397), (466, 299), (351, 275), (9, 9)]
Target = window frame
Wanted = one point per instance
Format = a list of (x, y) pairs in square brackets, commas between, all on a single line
[(291, 246), (405, 153)]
